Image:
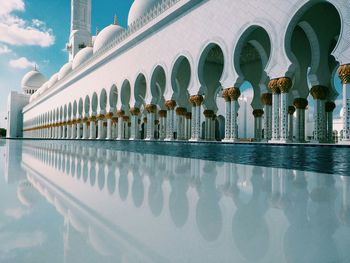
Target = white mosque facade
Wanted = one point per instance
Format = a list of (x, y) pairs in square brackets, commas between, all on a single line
[(176, 71)]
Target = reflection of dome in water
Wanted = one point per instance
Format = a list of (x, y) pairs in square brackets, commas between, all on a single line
[(27, 194), (123, 186), (138, 191), (251, 234)]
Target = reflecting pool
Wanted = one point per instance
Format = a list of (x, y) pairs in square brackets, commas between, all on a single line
[(100, 202)]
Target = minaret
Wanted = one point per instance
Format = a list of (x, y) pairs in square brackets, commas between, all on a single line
[(80, 32)]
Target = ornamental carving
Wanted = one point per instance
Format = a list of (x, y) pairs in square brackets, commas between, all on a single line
[(300, 103), (85, 119), (162, 113), (170, 104), (115, 119), (100, 117), (151, 108), (291, 110), (208, 113), (181, 111), (319, 92), (188, 115), (92, 118), (344, 73), (234, 93), (120, 113), (330, 106), (198, 99), (109, 115), (266, 99), (284, 84), (135, 111), (192, 100), (258, 113), (126, 118), (273, 86), (225, 95)]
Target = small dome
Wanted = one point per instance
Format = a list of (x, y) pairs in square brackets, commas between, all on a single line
[(53, 80), (139, 8), (33, 80), (65, 70), (106, 36), (82, 56)]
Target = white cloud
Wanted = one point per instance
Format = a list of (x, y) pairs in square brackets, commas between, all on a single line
[(16, 213), (4, 49), (21, 63), (16, 31)]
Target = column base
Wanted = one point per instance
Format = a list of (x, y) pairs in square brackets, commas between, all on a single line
[(169, 139), (149, 139), (195, 140)]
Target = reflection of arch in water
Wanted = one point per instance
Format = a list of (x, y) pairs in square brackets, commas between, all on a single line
[(155, 195), (137, 188)]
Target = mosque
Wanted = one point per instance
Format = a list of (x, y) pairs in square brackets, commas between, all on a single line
[(176, 73)]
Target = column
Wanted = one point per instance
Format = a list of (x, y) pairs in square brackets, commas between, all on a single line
[(126, 126), (194, 113), (69, 130), (115, 127), (120, 115), (151, 109), (145, 127), (266, 100), (134, 130), (208, 114), (92, 120), (258, 113), (100, 129), (344, 74), (60, 130), (180, 123), (170, 105), (291, 111), (188, 125), (162, 124), (234, 94), (319, 93), (85, 128), (300, 105), (78, 128), (225, 95), (284, 85), (273, 85), (74, 129), (330, 106)]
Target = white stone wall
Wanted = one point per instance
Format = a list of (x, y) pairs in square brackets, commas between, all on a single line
[(15, 104)]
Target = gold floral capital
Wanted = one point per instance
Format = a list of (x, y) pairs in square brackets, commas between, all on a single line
[(234, 93), (344, 73)]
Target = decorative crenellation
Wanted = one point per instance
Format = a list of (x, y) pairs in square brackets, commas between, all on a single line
[(135, 111), (162, 113), (300, 103), (291, 110), (151, 108), (234, 93), (258, 113), (181, 111), (208, 113), (330, 106), (170, 104), (319, 92), (344, 73), (266, 99), (225, 94)]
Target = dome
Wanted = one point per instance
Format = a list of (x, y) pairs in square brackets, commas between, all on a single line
[(65, 70), (140, 8), (53, 80), (33, 80), (106, 36), (82, 56)]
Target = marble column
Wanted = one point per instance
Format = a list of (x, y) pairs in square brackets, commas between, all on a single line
[(126, 127), (291, 111), (208, 114), (100, 129), (284, 85), (134, 129), (145, 127), (344, 74), (180, 123), (162, 124), (300, 105), (266, 100), (319, 93), (85, 128), (273, 85), (258, 113), (115, 127), (78, 126), (69, 130), (194, 113), (234, 94), (120, 115), (73, 133), (196, 121), (329, 107), (225, 95), (188, 125), (92, 120), (170, 119), (151, 109), (108, 124)]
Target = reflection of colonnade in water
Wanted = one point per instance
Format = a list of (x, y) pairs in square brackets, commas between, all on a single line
[(149, 206), (177, 92)]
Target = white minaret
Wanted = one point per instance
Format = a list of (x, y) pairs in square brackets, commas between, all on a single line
[(80, 31)]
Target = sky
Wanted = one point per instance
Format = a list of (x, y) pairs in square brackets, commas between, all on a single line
[(36, 32)]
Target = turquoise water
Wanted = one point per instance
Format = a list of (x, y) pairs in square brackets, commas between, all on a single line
[(99, 202)]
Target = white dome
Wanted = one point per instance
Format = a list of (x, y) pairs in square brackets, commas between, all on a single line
[(33, 80), (82, 56), (140, 8), (53, 80), (106, 35), (65, 70)]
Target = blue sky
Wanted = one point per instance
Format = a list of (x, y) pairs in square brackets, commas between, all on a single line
[(36, 31)]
